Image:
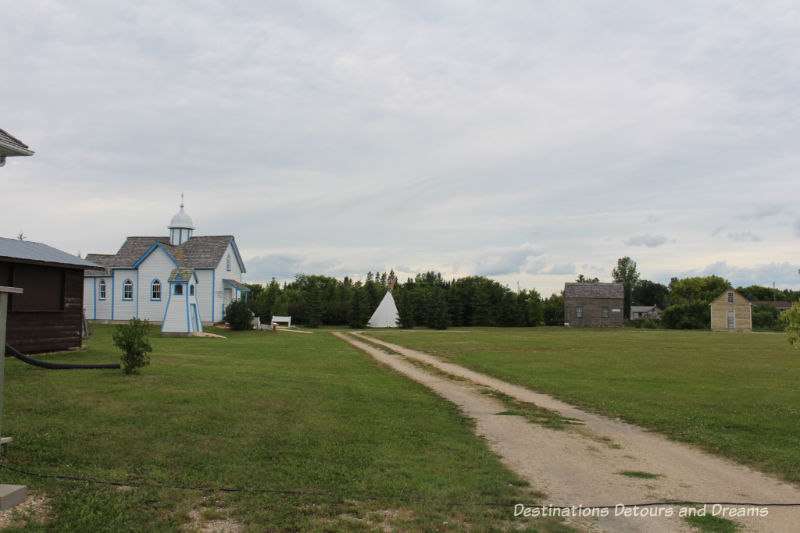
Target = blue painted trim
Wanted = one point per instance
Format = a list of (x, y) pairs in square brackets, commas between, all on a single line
[(123, 290), (234, 287), (150, 251), (188, 325), (137, 294), (103, 298), (166, 309), (94, 298), (160, 290), (112, 293), (235, 248)]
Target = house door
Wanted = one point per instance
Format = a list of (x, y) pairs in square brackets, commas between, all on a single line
[(731, 319)]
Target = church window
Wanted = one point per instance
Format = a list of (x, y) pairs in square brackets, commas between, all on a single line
[(228, 263), (191, 290), (155, 290), (178, 289), (102, 289), (127, 290)]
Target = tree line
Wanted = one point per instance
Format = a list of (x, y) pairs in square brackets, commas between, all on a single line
[(429, 300)]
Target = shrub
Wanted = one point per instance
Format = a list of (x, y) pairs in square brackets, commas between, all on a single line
[(687, 316), (131, 338), (238, 315)]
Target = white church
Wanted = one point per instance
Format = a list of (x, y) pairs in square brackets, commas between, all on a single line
[(181, 282)]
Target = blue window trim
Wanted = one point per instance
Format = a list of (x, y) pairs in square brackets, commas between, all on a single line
[(124, 299), (160, 290), (103, 289)]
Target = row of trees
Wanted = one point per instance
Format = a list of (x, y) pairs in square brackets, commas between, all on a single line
[(430, 300), (426, 300)]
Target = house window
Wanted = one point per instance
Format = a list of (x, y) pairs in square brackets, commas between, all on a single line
[(127, 290), (178, 289), (102, 289), (155, 290), (605, 312), (579, 312), (228, 263), (191, 290), (730, 297)]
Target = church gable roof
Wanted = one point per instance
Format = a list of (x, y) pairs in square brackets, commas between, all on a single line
[(202, 252), (197, 252)]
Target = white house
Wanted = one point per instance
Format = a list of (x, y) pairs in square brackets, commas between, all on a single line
[(135, 280)]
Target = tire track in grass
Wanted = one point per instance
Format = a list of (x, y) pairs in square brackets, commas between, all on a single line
[(575, 468)]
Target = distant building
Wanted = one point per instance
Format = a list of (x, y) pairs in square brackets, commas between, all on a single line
[(48, 315), (641, 312), (730, 311), (139, 279), (779, 305), (594, 304)]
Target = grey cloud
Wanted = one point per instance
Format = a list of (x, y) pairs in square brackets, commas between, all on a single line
[(764, 211), (286, 266), (782, 274), (505, 261), (650, 241), (744, 236)]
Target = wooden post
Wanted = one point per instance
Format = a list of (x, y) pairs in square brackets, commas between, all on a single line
[(10, 495)]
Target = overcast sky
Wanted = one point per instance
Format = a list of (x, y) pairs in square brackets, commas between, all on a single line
[(527, 141)]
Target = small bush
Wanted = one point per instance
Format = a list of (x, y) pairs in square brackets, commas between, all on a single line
[(238, 315), (131, 338)]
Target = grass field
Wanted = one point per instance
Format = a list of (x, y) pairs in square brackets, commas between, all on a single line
[(737, 395), (319, 437)]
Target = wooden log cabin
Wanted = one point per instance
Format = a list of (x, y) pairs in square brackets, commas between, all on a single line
[(48, 315)]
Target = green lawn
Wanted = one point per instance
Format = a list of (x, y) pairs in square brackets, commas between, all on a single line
[(737, 395), (356, 446)]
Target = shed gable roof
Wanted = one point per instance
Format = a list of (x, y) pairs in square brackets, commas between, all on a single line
[(594, 290), (16, 250)]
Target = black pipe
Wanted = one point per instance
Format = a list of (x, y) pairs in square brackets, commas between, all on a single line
[(56, 366)]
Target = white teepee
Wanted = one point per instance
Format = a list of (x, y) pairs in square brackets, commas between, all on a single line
[(385, 316)]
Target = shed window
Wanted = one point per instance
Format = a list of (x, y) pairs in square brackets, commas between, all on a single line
[(178, 289), (127, 290), (730, 297), (102, 289), (605, 312), (579, 312), (155, 290)]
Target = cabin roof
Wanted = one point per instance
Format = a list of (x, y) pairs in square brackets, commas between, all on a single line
[(19, 251)]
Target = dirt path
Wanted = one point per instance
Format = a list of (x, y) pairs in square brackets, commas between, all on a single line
[(581, 466)]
